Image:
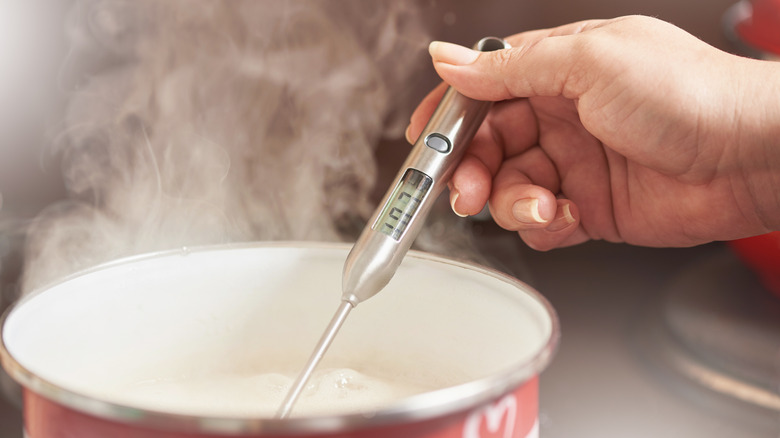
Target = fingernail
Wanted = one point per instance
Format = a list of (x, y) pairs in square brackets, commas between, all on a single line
[(407, 135), (527, 211), (453, 198), (562, 219), (452, 53)]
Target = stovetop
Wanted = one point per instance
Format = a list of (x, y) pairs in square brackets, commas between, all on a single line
[(657, 342)]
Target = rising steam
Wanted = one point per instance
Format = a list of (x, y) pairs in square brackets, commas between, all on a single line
[(211, 122)]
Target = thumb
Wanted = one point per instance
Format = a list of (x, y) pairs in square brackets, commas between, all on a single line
[(539, 63)]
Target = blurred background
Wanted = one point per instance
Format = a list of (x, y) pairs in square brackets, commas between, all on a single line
[(656, 342)]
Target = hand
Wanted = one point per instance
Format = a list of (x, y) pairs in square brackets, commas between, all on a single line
[(625, 130)]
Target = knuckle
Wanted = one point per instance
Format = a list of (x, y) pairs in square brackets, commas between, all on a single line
[(504, 59), (504, 67)]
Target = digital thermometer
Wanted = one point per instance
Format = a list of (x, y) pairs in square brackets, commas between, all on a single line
[(381, 247)]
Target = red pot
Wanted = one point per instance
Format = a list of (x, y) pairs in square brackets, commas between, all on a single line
[(475, 337)]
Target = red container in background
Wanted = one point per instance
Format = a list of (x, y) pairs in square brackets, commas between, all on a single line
[(762, 254), (755, 26), (759, 25)]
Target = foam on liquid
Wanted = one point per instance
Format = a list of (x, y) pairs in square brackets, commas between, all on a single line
[(330, 391)]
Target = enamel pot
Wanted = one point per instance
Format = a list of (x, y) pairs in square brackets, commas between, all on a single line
[(474, 339)]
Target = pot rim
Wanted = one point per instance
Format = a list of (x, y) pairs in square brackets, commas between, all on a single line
[(420, 407)]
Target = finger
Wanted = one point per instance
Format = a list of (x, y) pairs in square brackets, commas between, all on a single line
[(574, 28), (540, 63), (517, 202), (423, 112), (514, 126), (471, 183), (470, 186), (427, 106), (564, 230), (509, 130)]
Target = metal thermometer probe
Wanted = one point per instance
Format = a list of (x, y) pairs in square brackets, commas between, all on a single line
[(374, 258)]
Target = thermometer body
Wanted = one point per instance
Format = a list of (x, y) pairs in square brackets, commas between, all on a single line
[(374, 258), (387, 237)]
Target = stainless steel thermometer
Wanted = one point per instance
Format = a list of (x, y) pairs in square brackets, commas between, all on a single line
[(395, 224)]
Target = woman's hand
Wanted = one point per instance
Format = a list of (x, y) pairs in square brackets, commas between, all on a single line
[(625, 130)]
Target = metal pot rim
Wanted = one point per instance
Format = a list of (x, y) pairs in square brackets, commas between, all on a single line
[(421, 407)]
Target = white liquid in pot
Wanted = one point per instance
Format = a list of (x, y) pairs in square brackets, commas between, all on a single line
[(330, 391)]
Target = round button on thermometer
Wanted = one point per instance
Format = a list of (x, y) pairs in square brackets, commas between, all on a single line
[(438, 143)]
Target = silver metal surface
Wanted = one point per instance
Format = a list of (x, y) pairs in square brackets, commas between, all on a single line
[(319, 351), (376, 256)]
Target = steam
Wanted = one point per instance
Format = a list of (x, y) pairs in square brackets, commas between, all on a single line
[(211, 122)]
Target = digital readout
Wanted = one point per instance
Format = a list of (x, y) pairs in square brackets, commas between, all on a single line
[(403, 203)]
